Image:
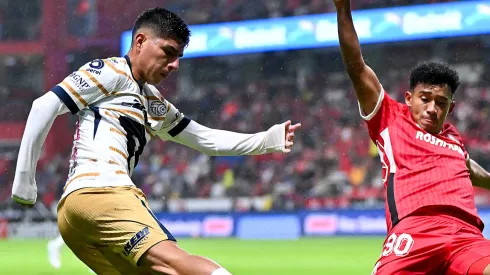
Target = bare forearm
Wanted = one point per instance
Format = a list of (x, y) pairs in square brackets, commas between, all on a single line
[(363, 78), (349, 42), (479, 176)]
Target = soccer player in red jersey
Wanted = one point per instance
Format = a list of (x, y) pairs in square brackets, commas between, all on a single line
[(433, 224)]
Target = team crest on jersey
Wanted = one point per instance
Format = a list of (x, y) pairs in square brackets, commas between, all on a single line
[(135, 240), (158, 108)]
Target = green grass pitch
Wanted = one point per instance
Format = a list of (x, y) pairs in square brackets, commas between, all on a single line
[(312, 256)]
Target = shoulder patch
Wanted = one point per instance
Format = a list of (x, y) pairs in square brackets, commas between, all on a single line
[(158, 108)]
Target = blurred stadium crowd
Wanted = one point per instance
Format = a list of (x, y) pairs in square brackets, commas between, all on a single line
[(213, 11), (334, 163)]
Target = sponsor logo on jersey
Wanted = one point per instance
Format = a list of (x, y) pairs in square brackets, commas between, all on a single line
[(158, 108), (97, 64), (94, 71), (135, 240), (438, 142), (79, 81)]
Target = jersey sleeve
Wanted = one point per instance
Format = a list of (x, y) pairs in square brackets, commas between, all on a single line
[(174, 123), (91, 83), (214, 142), (386, 111)]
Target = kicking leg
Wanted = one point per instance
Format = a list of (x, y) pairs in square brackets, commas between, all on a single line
[(167, 258)]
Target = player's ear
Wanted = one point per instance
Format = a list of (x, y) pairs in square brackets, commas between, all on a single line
[(138, 41), (451, 107), (408, 98)]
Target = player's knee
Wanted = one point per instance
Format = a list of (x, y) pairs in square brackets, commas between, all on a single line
[(167, 258), (161, 270), (163, 258)]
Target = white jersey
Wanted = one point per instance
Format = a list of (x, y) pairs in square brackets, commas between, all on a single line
[(117, 118)]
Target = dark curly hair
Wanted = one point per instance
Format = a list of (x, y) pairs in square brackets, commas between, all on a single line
[(164, 24), (435, 73)]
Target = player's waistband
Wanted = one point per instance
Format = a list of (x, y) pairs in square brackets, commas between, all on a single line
[(450, 212), (95, 184), (96, 175)]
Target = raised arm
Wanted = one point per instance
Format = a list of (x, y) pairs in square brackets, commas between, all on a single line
[(479, 176), (363, 78)]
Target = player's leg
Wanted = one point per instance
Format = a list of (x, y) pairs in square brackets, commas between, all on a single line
[(54, 251), (81, 247), (417, 245), (470, 253), (124, 230), (93, 258), (470, 263), (424, 258), (167, 258)]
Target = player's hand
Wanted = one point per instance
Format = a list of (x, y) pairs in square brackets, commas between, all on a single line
[(290, 129), (24, 190)]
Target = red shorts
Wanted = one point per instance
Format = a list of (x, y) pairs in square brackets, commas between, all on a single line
[(433, 245)]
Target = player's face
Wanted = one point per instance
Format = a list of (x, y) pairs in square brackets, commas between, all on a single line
[(430, 105), (158, 58)]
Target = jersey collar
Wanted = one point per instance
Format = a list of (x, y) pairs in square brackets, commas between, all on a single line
[(140, 84)]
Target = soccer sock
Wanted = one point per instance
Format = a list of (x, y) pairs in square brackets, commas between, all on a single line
[(59, 242), (221, 271)]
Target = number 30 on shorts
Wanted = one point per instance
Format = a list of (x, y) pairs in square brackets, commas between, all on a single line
[(400, 245)]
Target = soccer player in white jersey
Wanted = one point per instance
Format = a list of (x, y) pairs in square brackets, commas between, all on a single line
[(103, 218)]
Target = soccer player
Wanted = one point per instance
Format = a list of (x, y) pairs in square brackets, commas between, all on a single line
[(433, 224), (103, 218)]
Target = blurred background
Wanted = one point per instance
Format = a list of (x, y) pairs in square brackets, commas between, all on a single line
[(314, 210)]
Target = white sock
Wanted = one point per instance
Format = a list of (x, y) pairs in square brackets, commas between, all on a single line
[(221, 271), (59, 242)]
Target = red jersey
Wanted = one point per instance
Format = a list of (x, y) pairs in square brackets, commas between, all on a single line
[(420, 169)]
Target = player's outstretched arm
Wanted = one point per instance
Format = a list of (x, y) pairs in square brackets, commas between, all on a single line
[(363, 78), (41, 117), (213, 142), (479, 176)]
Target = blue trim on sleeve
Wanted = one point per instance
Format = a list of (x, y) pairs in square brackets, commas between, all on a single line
[(63, 96), (179, 127)]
